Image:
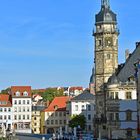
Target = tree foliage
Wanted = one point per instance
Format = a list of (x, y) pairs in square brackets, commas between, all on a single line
[(5, 91), (78, 120), (51, 93)]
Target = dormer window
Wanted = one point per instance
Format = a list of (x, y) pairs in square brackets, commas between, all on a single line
[(25, 93), (55, 107), (17, 93)]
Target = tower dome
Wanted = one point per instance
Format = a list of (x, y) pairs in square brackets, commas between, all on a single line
[(106, 15)]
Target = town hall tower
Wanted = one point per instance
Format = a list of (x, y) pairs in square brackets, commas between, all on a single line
[(106, 51)]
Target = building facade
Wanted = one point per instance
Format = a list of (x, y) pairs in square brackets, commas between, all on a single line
[(83, 104), (5, 112), (36, 119), (121, 110), (22, 108), (115, 85), (54, 117)]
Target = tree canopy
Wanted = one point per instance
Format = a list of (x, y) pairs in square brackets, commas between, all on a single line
[(5, 91), (78, 120), (51, 93)]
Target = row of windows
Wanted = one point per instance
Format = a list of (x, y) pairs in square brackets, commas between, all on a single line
[(57, 114), (115, 116), (115, 95), (84, 107), (56, 122), (21, 109), (21, 117), (16, 117), (5, 117), (21, 102), (5, 109)]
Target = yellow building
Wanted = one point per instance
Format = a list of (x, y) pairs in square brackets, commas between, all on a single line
[(36, 119)]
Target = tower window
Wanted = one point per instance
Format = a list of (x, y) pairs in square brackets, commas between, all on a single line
[(100, 42), (108, 56)]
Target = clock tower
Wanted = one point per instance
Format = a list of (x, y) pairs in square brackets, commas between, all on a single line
[(106, 51)]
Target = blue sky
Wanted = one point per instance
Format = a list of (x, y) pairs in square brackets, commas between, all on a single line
[(47, 43)]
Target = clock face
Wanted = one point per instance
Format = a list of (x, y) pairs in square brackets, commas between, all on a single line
[(108, 41)]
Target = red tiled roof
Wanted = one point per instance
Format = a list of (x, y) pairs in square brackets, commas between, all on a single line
[(75, 88), (21, 89), (5, 98), (58, 104), (39, 90)]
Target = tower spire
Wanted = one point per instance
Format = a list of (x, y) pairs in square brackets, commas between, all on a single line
[(106, 3)]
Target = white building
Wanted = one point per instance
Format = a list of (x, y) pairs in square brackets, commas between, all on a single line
[(73, 91), (122, 110), (22, 108), (5, 111), (83, 104)]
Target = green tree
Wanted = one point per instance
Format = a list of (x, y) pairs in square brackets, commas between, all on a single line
[(78, 120), (51, 93), (5, 91)]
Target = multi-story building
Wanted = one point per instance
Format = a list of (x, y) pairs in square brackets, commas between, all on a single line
[(5, 111), (36, 119), (54, 117), (22, 108), (83, 104), (115, 87), (121, 110)]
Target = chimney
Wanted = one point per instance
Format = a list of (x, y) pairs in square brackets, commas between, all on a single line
[(126, 54)]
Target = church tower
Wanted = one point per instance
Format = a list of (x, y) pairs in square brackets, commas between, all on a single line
[(106, 50)]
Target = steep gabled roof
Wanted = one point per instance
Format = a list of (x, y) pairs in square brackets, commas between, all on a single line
[(128, 69), (58, 104), (20, 89), (5, 100)]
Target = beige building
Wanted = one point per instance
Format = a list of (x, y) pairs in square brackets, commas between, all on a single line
[(36, 119), (54, 117)]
